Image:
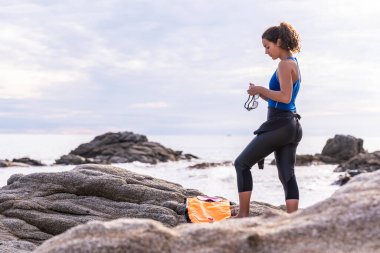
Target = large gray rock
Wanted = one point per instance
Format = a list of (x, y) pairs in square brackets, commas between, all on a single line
[(38, 206), (346, 222), (341, 148), (122, 147)]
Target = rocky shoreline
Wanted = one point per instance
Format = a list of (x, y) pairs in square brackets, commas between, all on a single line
[(345, 151), (101, 208), (121, 147)]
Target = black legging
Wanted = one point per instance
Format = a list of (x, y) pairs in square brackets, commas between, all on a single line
[(283, 142)]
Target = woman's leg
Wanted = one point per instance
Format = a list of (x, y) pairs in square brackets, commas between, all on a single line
[(285, 162), (260, 147)]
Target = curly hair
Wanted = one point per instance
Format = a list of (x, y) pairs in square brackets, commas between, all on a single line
[(290, 39)]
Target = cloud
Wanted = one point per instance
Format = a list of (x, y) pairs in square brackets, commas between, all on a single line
[(150, 105), (70, 64)]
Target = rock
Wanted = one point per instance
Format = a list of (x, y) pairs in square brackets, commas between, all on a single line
[(259, 209), (341, 148), (304, 160), (38, 206), (346, 222), (327, 159), (336, 151), (122, 147), (190, 156), (10, 243), (342, 179), (74, 159), (7, 163), (364, 162), (28, 161), (209, 164)]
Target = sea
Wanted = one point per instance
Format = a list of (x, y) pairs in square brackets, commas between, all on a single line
[(316, 182)]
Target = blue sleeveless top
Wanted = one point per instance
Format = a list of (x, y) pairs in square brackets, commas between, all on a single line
[(274, 84)]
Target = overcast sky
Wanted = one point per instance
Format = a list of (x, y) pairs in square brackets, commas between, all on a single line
[(182, 67)]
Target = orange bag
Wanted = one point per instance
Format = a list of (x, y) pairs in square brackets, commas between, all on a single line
[(206, 209)]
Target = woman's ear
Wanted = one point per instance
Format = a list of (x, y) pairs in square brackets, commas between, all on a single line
[(278, 43)]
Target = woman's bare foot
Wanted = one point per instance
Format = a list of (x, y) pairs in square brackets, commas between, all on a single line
[(291, 205), (238, 216), (244, 204)]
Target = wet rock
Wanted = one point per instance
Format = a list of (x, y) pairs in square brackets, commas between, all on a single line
[(206, 165), (342, 179)]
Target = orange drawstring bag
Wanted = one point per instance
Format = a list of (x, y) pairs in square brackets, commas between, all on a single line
[(206, 209)]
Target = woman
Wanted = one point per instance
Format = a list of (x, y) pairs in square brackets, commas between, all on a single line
[(282, 131)]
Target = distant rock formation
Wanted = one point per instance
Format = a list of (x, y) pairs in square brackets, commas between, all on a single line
[(36, 207), (206, 165), (364, 162), (348, 221), (122, 147), (361, 163), (21, 162), (337, 150), (340, 149), (304, 160)]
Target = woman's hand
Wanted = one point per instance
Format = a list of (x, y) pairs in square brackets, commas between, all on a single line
[(253, 89)]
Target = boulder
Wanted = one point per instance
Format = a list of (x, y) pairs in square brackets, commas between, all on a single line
[(341, 148), (38, 206), (348, 221), (122, 147)]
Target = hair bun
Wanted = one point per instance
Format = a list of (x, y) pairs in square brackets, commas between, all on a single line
[(290, 39)]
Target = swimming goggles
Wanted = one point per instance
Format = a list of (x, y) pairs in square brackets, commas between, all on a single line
[(251, 102)]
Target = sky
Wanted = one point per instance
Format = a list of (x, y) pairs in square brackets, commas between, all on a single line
[(182, 67)]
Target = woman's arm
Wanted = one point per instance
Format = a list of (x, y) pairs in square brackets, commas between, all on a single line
[(263, 97), (284, 95)]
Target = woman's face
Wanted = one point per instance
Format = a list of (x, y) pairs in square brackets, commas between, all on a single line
[(271, 49)]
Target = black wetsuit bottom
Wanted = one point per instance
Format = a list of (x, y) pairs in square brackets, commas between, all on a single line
[(283, 141)]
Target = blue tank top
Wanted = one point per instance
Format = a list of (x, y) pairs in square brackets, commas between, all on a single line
[(274, 84)]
